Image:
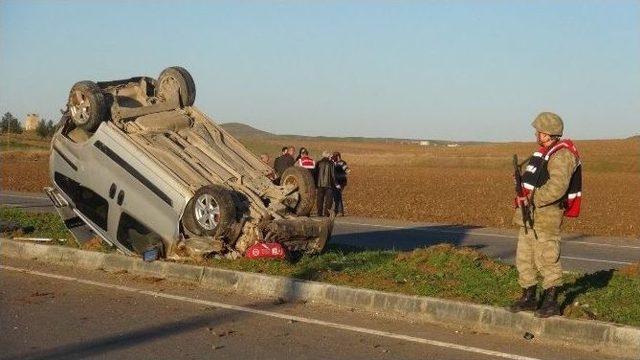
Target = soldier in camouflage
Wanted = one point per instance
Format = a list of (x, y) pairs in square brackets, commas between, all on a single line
[(539, 248)]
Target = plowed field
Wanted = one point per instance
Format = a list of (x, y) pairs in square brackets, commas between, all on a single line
[(473, 185), (24, 170), (470, 185), (483, 197)]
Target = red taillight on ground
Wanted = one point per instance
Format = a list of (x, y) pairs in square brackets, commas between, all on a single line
[(266, 251)]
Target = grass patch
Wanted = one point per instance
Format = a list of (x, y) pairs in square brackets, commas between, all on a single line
[(457, 273), (12, 145), (44, 225), (442, 271), (25, 141), (607, 295)]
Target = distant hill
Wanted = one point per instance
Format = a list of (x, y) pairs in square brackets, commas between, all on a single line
[(244, 131), (635, 137)]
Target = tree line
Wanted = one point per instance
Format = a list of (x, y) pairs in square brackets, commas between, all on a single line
[(11, 125)]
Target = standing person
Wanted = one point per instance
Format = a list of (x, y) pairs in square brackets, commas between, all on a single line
[(553, 185), (341, 171), (305, 161), (270, 173), (283, 162), (325, 183)]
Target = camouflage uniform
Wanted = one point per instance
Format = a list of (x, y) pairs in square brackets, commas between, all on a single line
[(546, 182), (543, 253)]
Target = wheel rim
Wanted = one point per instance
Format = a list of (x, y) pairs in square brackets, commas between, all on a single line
[(207, 212), (79, 107)]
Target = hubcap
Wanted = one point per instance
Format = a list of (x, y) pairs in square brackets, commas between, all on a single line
[(79, 106), (207, 212)]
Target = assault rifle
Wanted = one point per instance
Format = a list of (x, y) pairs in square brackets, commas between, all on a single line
[(526, 213)]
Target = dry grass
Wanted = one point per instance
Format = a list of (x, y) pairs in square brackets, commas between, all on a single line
[(24, 141)]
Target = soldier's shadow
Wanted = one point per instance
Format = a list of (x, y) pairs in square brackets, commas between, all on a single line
[(585, 283)]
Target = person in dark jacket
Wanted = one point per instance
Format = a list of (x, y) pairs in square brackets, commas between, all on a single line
[(283, 162), (325, 183), (341, 171)]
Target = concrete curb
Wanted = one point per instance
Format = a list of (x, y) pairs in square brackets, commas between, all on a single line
[(605, 337)]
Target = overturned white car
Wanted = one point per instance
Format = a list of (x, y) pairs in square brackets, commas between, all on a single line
[(149, 173)]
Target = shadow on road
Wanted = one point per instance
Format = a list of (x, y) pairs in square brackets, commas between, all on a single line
[(124, 340), (406, 239)]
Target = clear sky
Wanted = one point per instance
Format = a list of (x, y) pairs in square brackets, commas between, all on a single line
[(460, 70)]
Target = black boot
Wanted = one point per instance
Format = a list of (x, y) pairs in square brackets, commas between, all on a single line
[(527, 301), (549, 305)]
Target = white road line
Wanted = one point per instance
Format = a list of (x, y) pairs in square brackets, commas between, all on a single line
[(601, 244), (25, 205), (462, 232), (357, 329), (458, 232), (23, 196), (596, 260)]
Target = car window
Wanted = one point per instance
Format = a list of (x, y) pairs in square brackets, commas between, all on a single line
[(88, 202), (135, 236)]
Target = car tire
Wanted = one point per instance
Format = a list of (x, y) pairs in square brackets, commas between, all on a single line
[(87, 105), (210, 212), (303, 180), (176, 76)]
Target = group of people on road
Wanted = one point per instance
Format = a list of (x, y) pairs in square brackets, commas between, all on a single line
[(329, 173)]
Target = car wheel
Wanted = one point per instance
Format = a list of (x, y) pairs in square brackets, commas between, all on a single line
[(87, 106), (210, 212), (176, 77), (301, 178)]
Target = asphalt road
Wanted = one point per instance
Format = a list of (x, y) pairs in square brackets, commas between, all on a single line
[(54, 312), (579, 253)]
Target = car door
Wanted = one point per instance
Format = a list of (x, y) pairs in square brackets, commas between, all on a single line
[(74, 172), (143, 204)]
